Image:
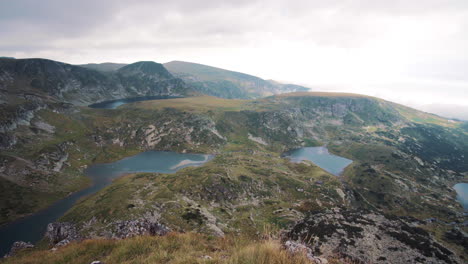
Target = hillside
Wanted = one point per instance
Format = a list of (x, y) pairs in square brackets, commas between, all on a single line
[(227, 84), (382, 139), (404, 165), (104, 67)]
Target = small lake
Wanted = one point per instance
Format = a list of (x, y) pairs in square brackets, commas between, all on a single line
[(462, 194), (116, 103), (32, 228), (320, 157)]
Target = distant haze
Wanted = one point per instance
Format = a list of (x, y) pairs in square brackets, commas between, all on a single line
[(411, 52)]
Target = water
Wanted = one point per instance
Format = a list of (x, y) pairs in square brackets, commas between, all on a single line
[(32, 228), (320, 157), (116, 103), (462, 194)]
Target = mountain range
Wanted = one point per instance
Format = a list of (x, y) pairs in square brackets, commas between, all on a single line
[(393, 204)]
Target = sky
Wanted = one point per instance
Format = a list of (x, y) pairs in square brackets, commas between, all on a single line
[(411, 52)]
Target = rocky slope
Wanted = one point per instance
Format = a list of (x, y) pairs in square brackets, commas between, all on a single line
[(405, 163), (369, 237), (227, 84)]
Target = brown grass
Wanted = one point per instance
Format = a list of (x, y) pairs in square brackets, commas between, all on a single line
[(195, 104), (321, 94), (173, 248)]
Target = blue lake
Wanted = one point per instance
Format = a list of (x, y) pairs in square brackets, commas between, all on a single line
[(462, 194), (116, 103), (320, 157), (32, 228)]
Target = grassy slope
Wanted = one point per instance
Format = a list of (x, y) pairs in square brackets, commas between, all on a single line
[(173, 248)]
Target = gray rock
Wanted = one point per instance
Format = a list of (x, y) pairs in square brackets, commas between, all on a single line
[(368, 237), (130, 228), (60, 234), (17, 246)]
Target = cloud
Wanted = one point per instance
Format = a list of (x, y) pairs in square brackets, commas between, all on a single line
[(362, 45)]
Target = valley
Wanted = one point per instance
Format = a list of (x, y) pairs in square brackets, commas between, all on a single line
[(404, 162)]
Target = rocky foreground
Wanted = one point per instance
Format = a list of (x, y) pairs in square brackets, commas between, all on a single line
[(369, 237)]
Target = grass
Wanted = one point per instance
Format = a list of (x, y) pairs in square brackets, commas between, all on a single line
[(425, 118), (233, 187), (174, 248), (195, 104)]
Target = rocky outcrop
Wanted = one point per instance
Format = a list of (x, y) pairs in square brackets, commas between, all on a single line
[(18, 246), (61, 234), (457, 236), (130, 228), (368, 237)]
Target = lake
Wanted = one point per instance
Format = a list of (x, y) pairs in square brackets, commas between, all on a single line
[(462, 194), (320, 157), (32, 228), (116, 103)]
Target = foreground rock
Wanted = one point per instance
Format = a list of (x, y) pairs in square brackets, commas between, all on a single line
[(18, 246), (61, 234), (125, 229), (367, 237)]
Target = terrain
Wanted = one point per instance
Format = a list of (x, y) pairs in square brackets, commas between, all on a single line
[(405, 163), (227, 84)]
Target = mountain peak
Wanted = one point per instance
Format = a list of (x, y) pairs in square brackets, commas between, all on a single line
[(146, 68)]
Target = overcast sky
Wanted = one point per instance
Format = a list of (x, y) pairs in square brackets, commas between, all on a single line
[(413, 52)]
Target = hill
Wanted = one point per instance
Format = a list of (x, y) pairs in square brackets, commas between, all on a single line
[(227, 84), (405, 163), (104, 67)]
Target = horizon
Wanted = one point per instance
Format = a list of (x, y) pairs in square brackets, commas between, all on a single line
[(409, 53)]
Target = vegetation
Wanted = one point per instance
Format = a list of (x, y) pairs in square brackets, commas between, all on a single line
[(175, 248)]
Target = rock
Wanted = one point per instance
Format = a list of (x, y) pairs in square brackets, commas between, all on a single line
[(299, 248), (130, 228), (60, 234), (457, 236), (368, 237), (17, 246), (97, 262)]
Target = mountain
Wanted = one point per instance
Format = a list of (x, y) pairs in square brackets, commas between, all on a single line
[(104, 67), (394, 202), (227, 84), (81, 86)]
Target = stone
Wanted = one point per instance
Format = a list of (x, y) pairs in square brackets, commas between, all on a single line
[(369, 237), (60, 234), (130, 228), (18, 246)]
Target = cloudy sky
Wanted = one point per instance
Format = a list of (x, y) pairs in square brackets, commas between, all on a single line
[(412, 52)]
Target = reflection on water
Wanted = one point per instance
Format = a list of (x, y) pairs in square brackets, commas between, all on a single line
[(320, 157)]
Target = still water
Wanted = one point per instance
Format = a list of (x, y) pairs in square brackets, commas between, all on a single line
[(462, 194), (32, 228), (320, 157)]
